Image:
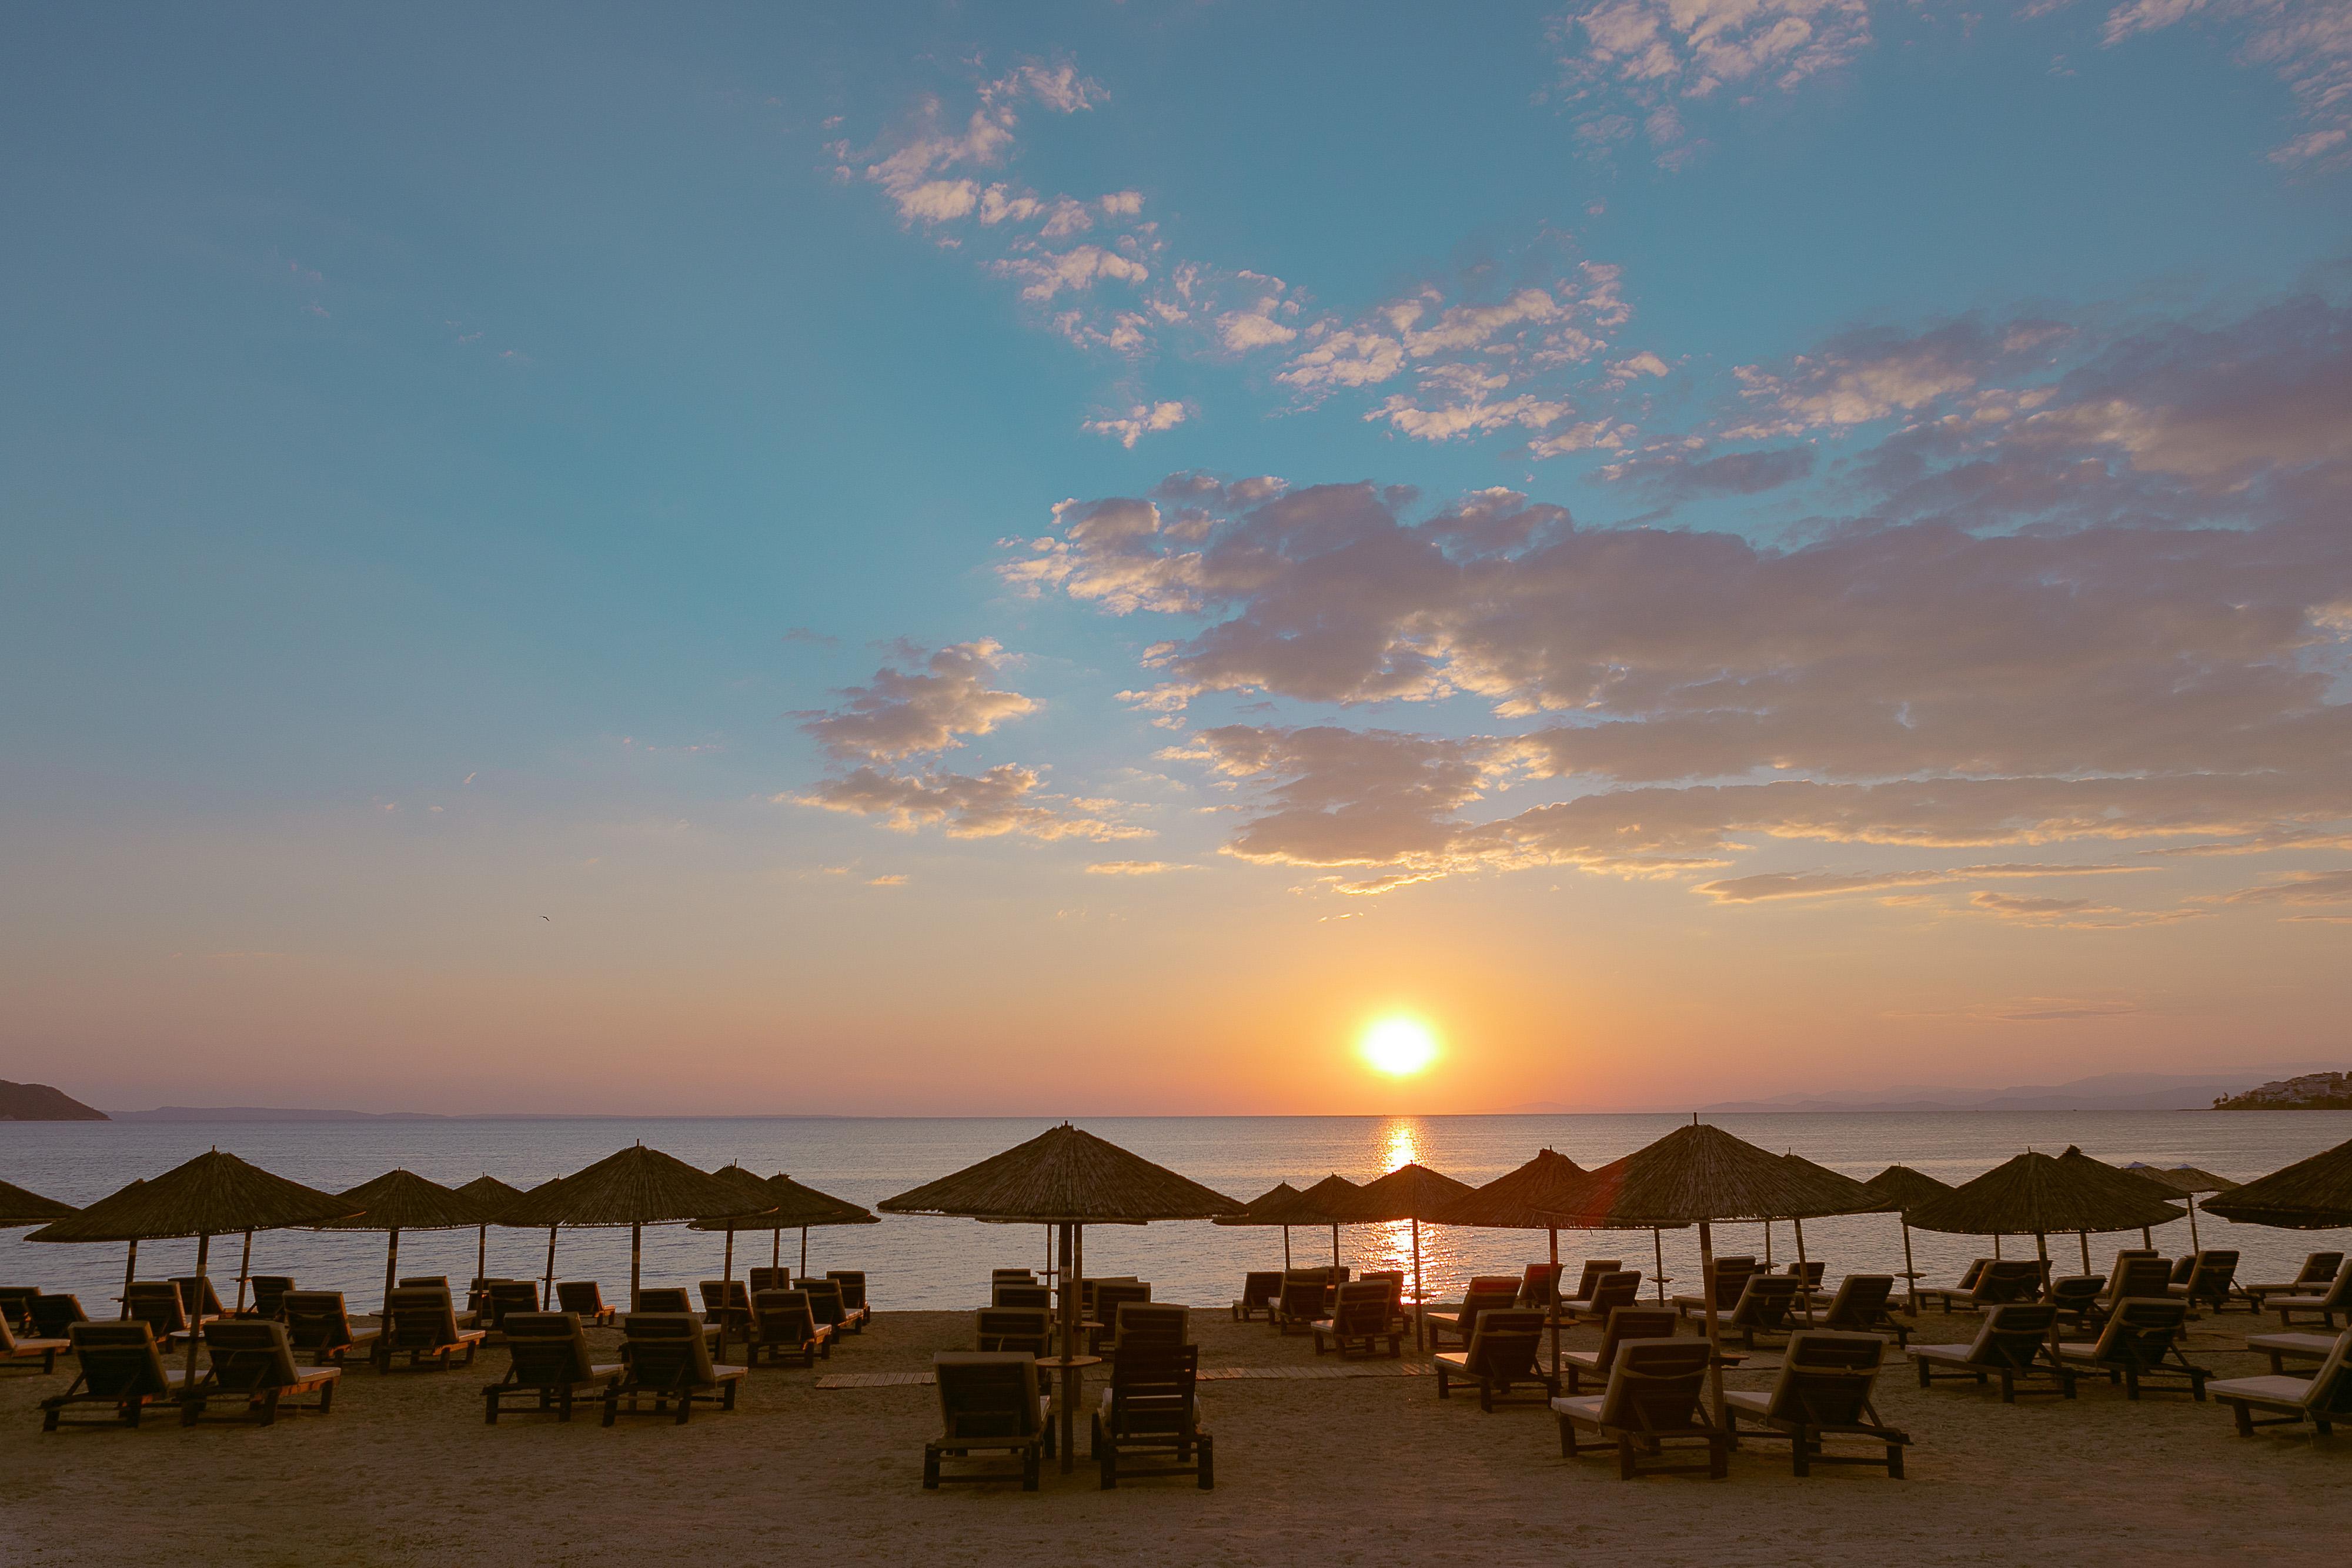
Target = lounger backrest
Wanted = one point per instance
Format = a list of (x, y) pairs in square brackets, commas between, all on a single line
[(1391, 1279), (1589, 1278), (1302, 1294), (1765, 1300), (1144, 1323), (316, 1319), (1260, 1287), (422, 1318), (1152, 1390), (250, 1353), (119, 1360), (270, 1294), (666, 1350), (2339, 1296), (419, 1282), (1731, 1276), (717, 1295), (2076, 1292), (156, 1303), (853, 1286), (2149, 1276), (2013, 1335), (2010, 1279), (2182, 1266), (2209, 1280), (1630, 1323), (1861, 1300), (1364, 1307), (549, 1350), (663, 1299), (1812, 1269), (1111, 1295), (2141, 1331), (1826, 1377), (2330, 1394), (1539, 1284), (770, 1279), (193, 1290), (512, 1296), (782, 1317), (824, 1301), (2319, 1268), (1611, 1291), (1009, 1294), (1015, 1274), (17, 1303), (1028, 1329), (582, 1296), (53, 1316), (987, 1393), (1974, 1272), (1655, 1384), (1477, 1301), (1505, 1343)]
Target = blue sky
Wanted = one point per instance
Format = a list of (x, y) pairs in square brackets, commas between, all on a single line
[(453, 464)]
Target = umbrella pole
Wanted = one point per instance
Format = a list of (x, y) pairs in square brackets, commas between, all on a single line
[(1420, 1303), (1714, 1333), (1554, 1312), (1767, 1245), (244, 1271), (1658, 1252), (1075, 1290), (382, 1355), (550, 1301), (1335, 1254), (726, 1292), (1804, 1270), (2042, 1251), (196, 1318), (129, 1275), (803, 1251), (1285, 1249), (1910, 1269), (2194, 1245), (775, 1251), (2085, 1237), (2146, 1238), (1996, 1248), (636, 1260)]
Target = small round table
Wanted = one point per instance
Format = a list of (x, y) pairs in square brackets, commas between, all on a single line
[(1072, 1368)]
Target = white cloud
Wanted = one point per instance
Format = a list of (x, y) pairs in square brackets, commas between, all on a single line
[(1143, 419), (903, 713)]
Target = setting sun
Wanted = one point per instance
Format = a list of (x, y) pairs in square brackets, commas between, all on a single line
[(1399, 1046)]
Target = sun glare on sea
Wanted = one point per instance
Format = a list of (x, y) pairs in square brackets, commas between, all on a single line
[(1400, 1047)]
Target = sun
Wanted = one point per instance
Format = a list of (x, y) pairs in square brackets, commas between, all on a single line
[(1399, 1046)]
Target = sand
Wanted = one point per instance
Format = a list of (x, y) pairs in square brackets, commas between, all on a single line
[(1372, 1471)]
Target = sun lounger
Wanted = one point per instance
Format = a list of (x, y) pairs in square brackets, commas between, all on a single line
[(825, 1302), (1729, 1282), (2140, 1345), (1364, 1316), (1013, 1294), (783, 1328), (2013, 1345), (1260, 1289), (2210, 1282), (316, 1321), (1486, 1293), (1539, 1286), (253, 1361), (584, 1297), (2336, 1298), (191, 1288), (1501, 1356), (1588, 1277), (2323, 1400), (669, 1358), (29, 1349), (1944, 1296), (158, 1304), (1300, 1306), (663, 1299), (1765, 1305), (766, 1279), (1146, 1326), (2319, 1272), (989, 1403), (2303, 1346), (547, 1357), (1027, 1330), (1624, 1323), (1109, 1297), (269, 1295), (1656, 1395), (727, 1302), (1153, 1407), (420, 1281), (2075, 1299), (1823, 1391), (421, 1323), (1014, 1276), (1090, 1289), (2005, 1283), (16, 1306), (1860, 1306), (54, 1316), (121, 1368), (852, 1295), (1606, 1294), (2134, 1275), (509, 1296), (1393, 1280)]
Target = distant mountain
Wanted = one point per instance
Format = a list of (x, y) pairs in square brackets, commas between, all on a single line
[(2309, 1091), (39, 1103), (2104, 1092), (266, 1113)]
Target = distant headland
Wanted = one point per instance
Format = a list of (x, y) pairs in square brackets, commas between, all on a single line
[(2310, 1091), (39, 1103)]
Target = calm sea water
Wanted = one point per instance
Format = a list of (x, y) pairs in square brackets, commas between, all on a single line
[(944, 1263)]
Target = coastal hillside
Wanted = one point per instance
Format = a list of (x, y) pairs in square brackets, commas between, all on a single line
[(39, 1103), (2310, 1091)]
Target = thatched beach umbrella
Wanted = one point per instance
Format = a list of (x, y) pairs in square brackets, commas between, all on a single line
[(2186, 1182), (402, 1200), (1699, 1175), (1896, 1190), (491, 1196), (1414, 1192), (1269, 1208), (19, 1206), (637, 1188), (1525, 1198), (211, 1194), (794, 1207), (2309, 1195), (1327, 1202), (2036, 1195), (1069, 1179)]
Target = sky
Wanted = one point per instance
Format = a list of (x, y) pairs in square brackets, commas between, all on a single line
[(1077, 557)]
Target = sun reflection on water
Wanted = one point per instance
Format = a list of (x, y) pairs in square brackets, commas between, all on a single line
[(1391, 1241)]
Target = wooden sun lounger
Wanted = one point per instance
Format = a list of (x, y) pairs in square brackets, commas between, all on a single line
[(317, 1322), (1765, 1305), (1300, 1306), (728, 1303), (1601, 1296), (1260, 1287), (2012, 1345), (1861, 1306), (253, 1361), (1500, 1357), (831, 1306), (2006, 1282), (45, 1350), (269, 1295), (768, 1279), (2319, 1272), (2323, 1400), (1945, 1295), (1147, 1327), (120, 1368), (1021, 1293), (548, 1357), (191, 1287), (668, 1357), (784, 1329), (421, 1323), (16, 1306), (1624, 1323), (1729, 1282), (584, 1297), (1823, 1391), (1109, 1296), (1539, 1285), (1486, 1293), (1364, 1316), (1656, 1395), (852, 1295), (1028, 1329), (2139, 1347), (989, 1403), (1153, 1407), (158, 1304), (54, 1316), (2302, 1347), (2336, 1298), (2212, 1280), (504, 1296)]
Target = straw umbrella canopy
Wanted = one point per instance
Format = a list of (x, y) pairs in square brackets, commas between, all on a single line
[(1269, 1208), (1525, 1198), (637, 1188), (211, 1194), (492, 1197), (402, 1200), (1896, 1190), (2036, 1193), (1412, 1192), (1327, 1203), (2186, 1182), (19, 1206), (1070, 1179), (795, 1207), (2309, 1195), (1698, 1176)]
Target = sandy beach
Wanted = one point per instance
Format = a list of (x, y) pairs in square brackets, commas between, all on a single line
[(1361, 1469)]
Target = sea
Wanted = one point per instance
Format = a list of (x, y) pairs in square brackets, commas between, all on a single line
[(914, 1264)]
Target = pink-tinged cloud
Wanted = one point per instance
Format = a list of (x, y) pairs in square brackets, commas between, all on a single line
[(1000, 801), (931, 709)]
